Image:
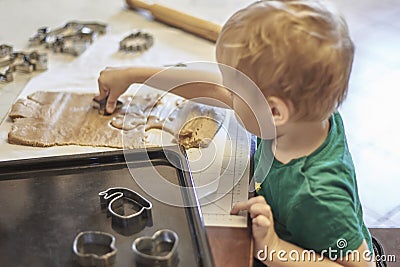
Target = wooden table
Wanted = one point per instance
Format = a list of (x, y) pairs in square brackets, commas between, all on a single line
[(231, 246)]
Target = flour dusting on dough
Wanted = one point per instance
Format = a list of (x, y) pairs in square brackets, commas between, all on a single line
[(58, 118)]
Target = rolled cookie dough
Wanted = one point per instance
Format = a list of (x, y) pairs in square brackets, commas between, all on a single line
[(58, 118)]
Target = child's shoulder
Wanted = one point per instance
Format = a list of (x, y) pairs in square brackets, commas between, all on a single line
[(334, 153), (330, 168)]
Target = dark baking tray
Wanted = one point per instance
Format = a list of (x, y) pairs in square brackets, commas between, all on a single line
[(46, 202)]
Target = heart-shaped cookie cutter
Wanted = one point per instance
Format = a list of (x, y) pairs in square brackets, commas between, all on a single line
[(159, 250), (94, 248), (113, 200)]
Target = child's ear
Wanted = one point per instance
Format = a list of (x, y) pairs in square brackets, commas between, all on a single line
[(280, 110)]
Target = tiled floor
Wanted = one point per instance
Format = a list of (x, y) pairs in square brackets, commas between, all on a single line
[(371, 112)]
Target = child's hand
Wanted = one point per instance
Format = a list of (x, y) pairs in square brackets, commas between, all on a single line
[(262, 222), (112, 82)]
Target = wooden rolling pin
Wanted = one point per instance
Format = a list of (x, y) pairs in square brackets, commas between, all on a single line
[(199, 27)]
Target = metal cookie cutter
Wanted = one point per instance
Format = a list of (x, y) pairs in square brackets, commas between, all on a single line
[(160, 250), (5, 60), (114, 200), (73, 38), (7, 76), (5, 50), (93, 248), (101, 105), (136, 42), (180, 64), (20, 61)]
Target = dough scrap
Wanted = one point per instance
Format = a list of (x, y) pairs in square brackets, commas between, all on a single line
[(59, 118)]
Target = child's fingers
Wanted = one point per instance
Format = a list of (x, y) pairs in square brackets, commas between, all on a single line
[(112, 101), (260, 209), (261, 222), (261, 225), (103, 91), (247, 204)]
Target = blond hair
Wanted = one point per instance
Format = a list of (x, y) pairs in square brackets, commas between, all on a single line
[(299, 51)]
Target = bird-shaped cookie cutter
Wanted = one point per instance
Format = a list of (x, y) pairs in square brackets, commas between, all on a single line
[(113, 201)]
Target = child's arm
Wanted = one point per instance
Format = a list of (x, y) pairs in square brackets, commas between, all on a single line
[(278, 251), (193, 84)]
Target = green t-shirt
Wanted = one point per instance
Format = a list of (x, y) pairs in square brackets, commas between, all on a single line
[(314, 199)]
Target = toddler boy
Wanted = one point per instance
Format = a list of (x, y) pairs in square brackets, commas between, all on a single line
[(299, 54)]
